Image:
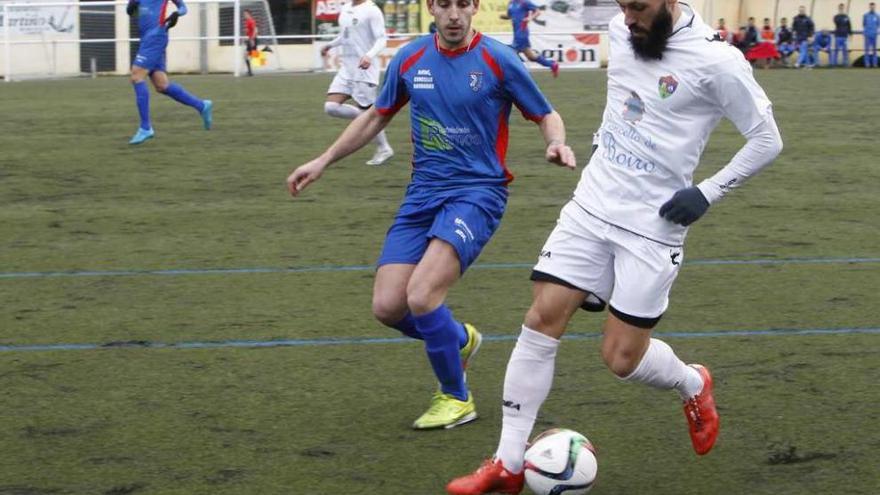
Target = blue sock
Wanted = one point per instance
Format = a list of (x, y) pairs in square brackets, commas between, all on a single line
[(441, 333), (179, 94), (407, 326), (544, 61), (142, 98)]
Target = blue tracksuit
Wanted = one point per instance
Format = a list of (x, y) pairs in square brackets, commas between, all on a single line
[(871, 23), (842, 32), (821, 42)]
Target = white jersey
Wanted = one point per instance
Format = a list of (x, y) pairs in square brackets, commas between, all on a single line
[(362, 32), (658, 118)]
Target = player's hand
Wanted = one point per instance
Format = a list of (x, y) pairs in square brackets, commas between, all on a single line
[(325, 50), (686, 206), (365, 63), (304, 175), (561, 155), (171, 20)]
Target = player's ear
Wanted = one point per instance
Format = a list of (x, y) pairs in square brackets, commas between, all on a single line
[(476, 5), (431, 6)]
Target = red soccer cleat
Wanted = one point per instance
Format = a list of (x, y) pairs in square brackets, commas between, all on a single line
[(491, 477), (701, 415), (555, 69)]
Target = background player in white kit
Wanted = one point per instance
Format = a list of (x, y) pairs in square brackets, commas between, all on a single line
[(361, 38), (619, 240)]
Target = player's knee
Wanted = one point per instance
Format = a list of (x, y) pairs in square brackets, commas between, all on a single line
[(422, 299), (541, 319), (162, 87), (331, 108), (620, 358), (387, 311)]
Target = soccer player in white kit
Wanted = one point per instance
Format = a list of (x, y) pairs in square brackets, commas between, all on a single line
[(361, 38), (619, 240)]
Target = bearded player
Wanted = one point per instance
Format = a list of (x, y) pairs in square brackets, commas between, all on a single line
[(619, 241)]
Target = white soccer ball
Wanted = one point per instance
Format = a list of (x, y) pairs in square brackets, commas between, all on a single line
[(561, 462)]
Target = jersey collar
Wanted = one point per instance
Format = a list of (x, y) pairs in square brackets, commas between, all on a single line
[(457, 51)]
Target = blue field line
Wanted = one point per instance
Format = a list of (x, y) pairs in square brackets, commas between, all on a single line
[(364, 268), (253, 344)]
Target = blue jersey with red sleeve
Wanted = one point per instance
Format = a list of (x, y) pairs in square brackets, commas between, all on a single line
[(460, 107), (152, 14), (518, 11)]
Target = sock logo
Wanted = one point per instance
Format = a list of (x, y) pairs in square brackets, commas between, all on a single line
[(511, 405)]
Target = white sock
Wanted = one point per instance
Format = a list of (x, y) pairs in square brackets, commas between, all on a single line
[(381, 141), (341, 110), (661, 368), (526, 385)]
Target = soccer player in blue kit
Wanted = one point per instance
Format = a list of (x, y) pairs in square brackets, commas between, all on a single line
[(461, 86), (520, 13), (153, 26)]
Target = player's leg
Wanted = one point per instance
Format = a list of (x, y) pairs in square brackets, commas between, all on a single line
[(179, 94), (536, 57), (142, 99), (444, 336), (249, 47), (872, 44), (364, 95), (338, 93), (389, 298), (573, 258), (832, 54), (644, 274)]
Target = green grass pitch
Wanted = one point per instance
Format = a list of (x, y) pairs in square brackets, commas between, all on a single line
[(799, 412)]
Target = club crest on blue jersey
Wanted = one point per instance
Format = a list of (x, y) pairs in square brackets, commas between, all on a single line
[(634, 108), (668, 85), (476, 80)]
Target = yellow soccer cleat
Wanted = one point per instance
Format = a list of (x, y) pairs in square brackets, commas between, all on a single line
[(446, 412), (475, 339)]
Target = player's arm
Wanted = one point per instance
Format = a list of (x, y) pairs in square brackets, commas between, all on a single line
[(172, 18), (745, 104), (553, 130), (377, 28), (334, 43), (360, 132)]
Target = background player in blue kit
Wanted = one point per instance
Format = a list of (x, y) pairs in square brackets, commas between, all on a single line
[(520, 13), (871, 26), (153, 26), (461, 86)]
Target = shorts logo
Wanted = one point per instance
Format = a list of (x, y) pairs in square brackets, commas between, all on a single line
[(674, 257), (634, 108), (545, 254), (668, 85), (476, 81), (463, 230)]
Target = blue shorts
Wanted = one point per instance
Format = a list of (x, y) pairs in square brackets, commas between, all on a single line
[(151, 53), (520, 43), (465, 218)]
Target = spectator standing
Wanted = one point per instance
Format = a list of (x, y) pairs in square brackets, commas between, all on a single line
[(842, 32), (871, 24), (803, 28)]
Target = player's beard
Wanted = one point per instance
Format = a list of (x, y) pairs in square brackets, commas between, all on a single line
[(652, 45)]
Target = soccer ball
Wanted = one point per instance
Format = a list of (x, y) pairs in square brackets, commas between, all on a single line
[(561, 461)]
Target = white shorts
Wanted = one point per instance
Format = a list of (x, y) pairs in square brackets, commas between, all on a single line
[(631, 273), (362, 92)]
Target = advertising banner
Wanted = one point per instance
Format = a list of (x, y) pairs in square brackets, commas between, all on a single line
[(579, 51), (40, 20)]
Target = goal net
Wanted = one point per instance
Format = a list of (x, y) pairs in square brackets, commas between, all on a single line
[(46, 39)]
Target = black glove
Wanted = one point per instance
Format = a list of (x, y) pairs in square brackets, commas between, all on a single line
[(171, 20), (685, 207), (131, 8)]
